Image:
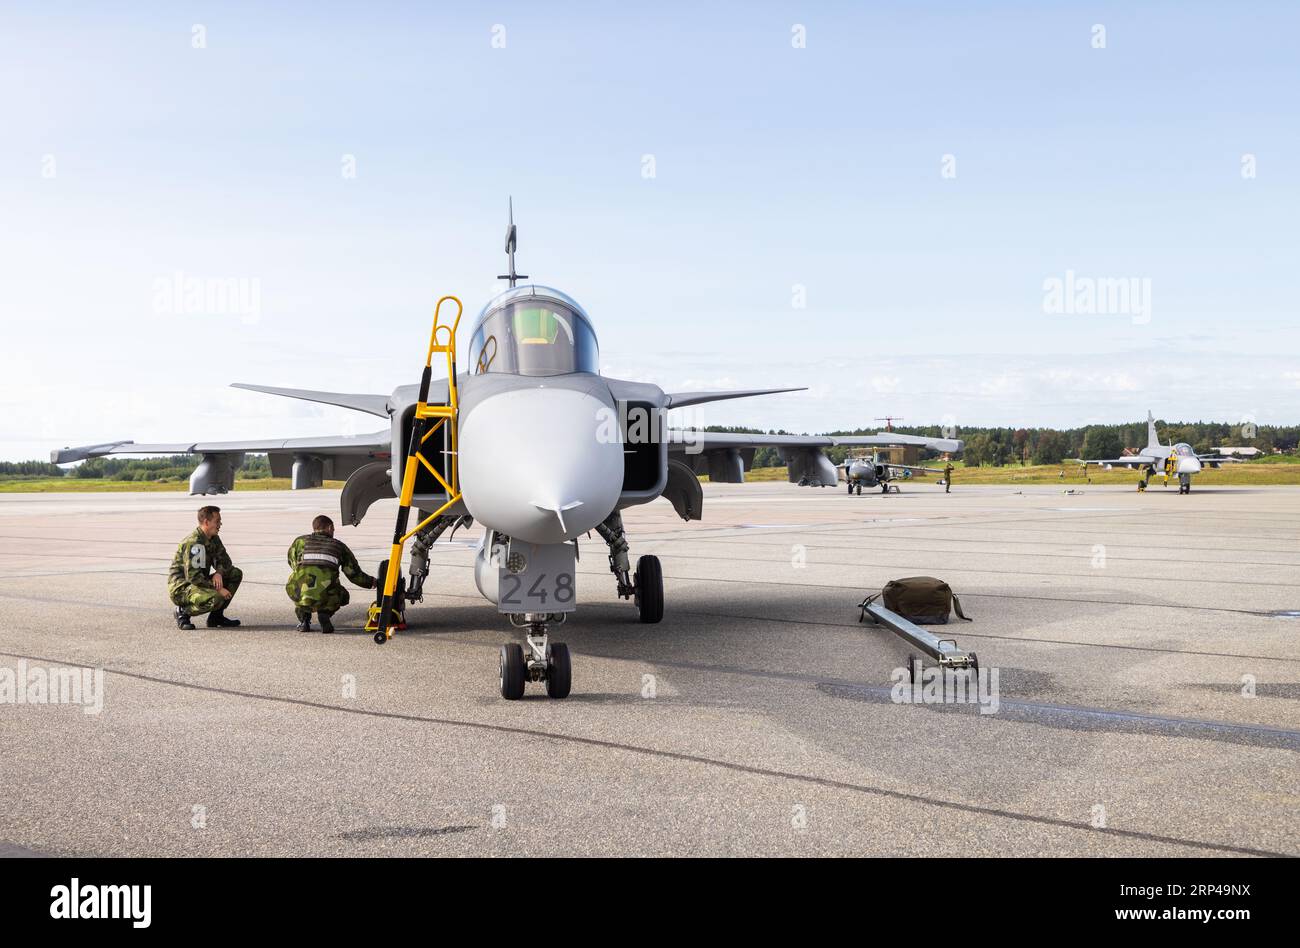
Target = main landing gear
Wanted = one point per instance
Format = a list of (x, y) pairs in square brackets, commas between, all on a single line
[(545, 661), (646, 586)]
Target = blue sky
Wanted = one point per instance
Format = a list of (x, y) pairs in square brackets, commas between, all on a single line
[(130, 156)]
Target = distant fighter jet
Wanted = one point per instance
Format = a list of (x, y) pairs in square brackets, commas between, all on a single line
[(873, 471), (1163, 460), (590, 445)]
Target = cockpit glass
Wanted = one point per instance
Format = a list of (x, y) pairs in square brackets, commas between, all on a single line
[(1183, 450), (534, 337)]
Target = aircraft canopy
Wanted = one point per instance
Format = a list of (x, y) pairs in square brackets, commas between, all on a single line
[(531, 336)]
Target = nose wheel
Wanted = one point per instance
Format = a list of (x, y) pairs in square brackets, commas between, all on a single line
[(513, 672), (559, 671), (543, 661)]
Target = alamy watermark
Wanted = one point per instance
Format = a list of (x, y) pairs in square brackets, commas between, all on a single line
[(1074, 295), (636, 424), (59, 684), (184, 295), (936, 685)]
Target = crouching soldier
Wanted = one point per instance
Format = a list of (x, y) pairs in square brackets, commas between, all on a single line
[(314, 586), (202, 578)]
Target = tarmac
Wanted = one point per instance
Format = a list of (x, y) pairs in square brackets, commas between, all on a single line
[(1147, 686)]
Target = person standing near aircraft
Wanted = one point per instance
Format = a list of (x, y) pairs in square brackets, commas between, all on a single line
[(314, 586), (947, 478), (192, 589)]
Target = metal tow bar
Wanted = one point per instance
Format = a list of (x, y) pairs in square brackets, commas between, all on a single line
[(945, 652)]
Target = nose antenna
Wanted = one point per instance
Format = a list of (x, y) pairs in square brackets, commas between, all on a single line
[(511, 242)]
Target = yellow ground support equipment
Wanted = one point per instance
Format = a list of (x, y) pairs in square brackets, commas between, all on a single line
[(428, 421)]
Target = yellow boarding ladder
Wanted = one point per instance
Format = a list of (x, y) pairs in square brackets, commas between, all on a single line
[(423, 427)]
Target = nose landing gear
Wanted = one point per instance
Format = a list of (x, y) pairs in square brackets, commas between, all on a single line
[(545, 661)]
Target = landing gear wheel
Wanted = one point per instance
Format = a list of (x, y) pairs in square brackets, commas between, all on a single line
[(649, 584), (850, 490), (513, 672), (559, 671), (381, 637)]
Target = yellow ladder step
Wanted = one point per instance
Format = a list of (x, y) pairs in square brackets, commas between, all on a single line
[(435, 411)]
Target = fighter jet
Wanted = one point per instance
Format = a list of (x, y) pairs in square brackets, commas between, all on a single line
[(1163, 460), (532, 388), (872, 470)]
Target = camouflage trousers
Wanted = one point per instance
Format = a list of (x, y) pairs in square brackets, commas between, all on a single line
[(312, 592), (198, 598)]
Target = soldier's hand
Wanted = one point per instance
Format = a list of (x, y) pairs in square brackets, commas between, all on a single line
[(226, 592), (218, 582)]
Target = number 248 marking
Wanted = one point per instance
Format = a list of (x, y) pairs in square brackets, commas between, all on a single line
[(563, 589)]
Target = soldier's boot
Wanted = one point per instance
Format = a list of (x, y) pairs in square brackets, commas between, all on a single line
[(217, 619), (304, 619), (183, 620), (326, 625)]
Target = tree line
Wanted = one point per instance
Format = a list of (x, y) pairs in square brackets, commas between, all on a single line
[(177, 467)]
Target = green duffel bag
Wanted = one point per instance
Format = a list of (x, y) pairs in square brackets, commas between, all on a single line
[(920, 599)]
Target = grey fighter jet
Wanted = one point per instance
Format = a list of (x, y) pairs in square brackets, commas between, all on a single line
[(872, 470), (1165, 460), (532, 388)]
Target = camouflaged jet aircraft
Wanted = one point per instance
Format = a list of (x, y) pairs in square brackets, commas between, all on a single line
[(532, 388), (1163, 460)]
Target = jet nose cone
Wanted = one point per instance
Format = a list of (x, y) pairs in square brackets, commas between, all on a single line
[(1189, 466), (541, 464)]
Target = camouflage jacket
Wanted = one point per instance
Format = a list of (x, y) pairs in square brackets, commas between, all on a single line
[(195, 560), (321, 555)]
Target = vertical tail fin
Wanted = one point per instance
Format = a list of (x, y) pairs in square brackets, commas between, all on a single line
[(1153, 440)]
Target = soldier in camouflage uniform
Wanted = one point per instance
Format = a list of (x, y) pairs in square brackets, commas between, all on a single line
[(202, 578), (314, 586)]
